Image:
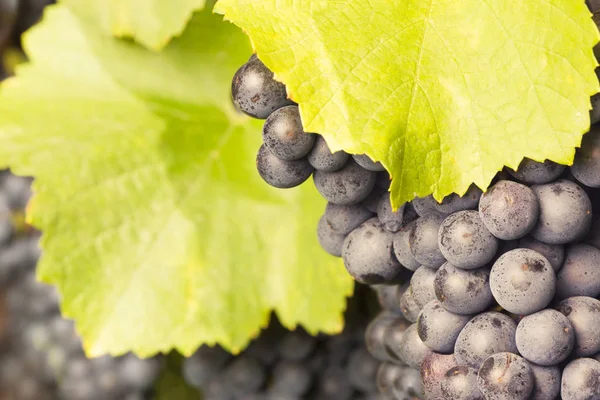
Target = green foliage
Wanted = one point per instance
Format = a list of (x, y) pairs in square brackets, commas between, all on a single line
[(157, 229), (151, 22), (444, 93)]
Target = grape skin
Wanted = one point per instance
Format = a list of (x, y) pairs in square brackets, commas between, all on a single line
[(362, 370), (486, 334), (463, 291), (454, 203), (375, 335), (402, 248), (329, 240), (509, 210), (322, 159), (565, 212), (534, 172), (388, 298), (554, 253), (460, 383), (365, 161), (426, 206), (584, 315), (392, 339), (422, 287), (281, 174), (343, 219), (410, 308), (423, 241), (547, 382), (465, 242), (368, 254), (412, 349), (392, 221), (586, 166), (433, 370), (581, 380), (505, 376), (545, 338), (291, 378), (580, 274), (439, 328), (284, 135), (522, 281), (351, 184)]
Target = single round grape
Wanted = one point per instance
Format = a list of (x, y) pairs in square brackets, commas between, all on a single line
[(333, 384), (204, 365), (392, 339), (433, 370), (547, 382), (426, 206), (138, 374), (412, 349), (387, 375), (391, 220), (581, 380), (402, 248), (291, 378), (439, 328), (533, 172), (384, 180), (362, 370), (423, 241), (584, 315), (465, 242), (365, 161), (368, 254), (284, 135), (351, 184), (376, 332), (460, 383), (296, 345), (505, 376), (509, 210), (580, 274), (281, 174), (486, 334), (343, 219), (522, 281), (408, 385), (255, 91), (545, 338), (454, 203), (421, 282), (565, 212), (410, 308), (322, 159), (463, 291), (554, 253), (371, 202), (388, 298), (586, 166), (329, 240), (245, 375)]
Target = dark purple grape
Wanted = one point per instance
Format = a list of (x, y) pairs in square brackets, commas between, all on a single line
[(505, 376), (333, 384), (423, 290), (439, 328), (408, 305), (351, 184), (322, 159), (291, 378), (463, 291), (586, 166), (392, 339), (391, 220), (584, 315), (486, 334), (412, 349), (284, 135), (423, 241), (245, 375), (454, 203), (376, 332), (362, 370), (296, 345), (580, 274), (533, 172), (365, 161), (388, 297), (281, 174), (554, 253), (343, 219), (433, 370), (581, 380), (460, 383), (402, 248), (329, 240), (547, 382)]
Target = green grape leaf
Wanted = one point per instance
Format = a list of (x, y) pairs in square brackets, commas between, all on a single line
[(157, 229), (152, 23), (443, 93)]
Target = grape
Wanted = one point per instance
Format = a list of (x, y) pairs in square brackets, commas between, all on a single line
[(255, 92), (593, 236), (334, 385), (522, 281), (545, 338), (534, 172), (426, 206), (554, 253), (387, 375), (368, 254), (219, 389), (412, 349), (343, 219), (362, 370), (281, 174), (410, 308), (245, 375), (329, 240), (581, 380), (392, 221), (586, 166), (509, 210), (284, 135), (505, 376), (423, 241), (388, 297), (322, 159), (291, 378), (365, 161), (463, 291), (439, 328), (371, 202), (584, 315), (565, 212), (595, 100), (580, 275), (351, 184), (486, 334), (296, 345), (547, 382), (408, 385), (392, 339), (421, 283), (375, 335), (460, 383), (454, 203), (433, 370), (139, 374), (465, 241), (402, 248)]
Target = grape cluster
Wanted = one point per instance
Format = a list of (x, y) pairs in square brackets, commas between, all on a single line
[(489, 295), (41, 357), (292, 365)]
